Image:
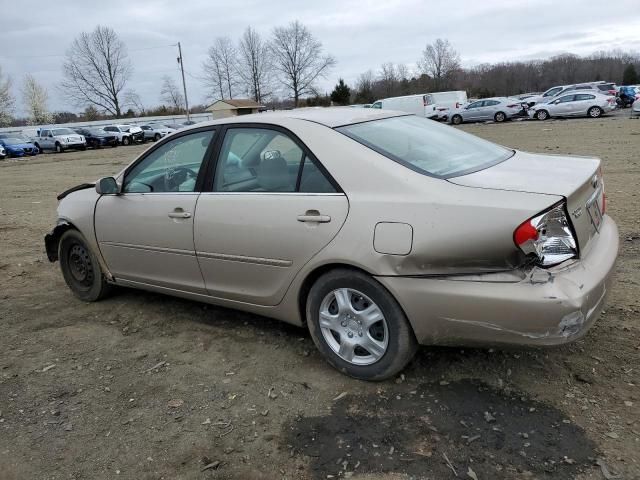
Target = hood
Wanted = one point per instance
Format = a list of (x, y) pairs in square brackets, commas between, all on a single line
[(20, 146)]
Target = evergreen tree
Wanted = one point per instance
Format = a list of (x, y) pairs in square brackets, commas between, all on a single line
[(630, 76), (341, 94)]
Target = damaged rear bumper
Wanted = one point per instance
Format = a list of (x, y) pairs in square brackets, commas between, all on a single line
[(547, 307)]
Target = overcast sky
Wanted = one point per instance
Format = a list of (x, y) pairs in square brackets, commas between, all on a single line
[(34, 35)]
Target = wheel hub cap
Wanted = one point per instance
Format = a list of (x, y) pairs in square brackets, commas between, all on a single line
[(353, 326)]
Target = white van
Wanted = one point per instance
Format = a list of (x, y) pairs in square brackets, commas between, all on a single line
[(430, 105)]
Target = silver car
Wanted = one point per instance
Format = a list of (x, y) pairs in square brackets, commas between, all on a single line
[(590, 104), (376, 230), (155, 131), (497, 109)]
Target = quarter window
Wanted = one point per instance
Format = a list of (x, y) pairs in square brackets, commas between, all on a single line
[(173, 167), (265, 160)]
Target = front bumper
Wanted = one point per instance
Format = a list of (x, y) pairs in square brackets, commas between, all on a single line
[(546, 307), (67, 146)]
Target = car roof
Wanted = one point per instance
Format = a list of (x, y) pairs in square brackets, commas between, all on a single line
[(329, 116)]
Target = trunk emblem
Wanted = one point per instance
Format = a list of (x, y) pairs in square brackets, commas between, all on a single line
[(577, 212)]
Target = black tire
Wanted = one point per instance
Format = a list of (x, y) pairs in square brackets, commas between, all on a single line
[(58, 148), (500, 117), (157, 137), (83, 148), (80, 268), (456, 119), (126, 141), (38, 147), (542, 115), (402, 344), (595, 112)]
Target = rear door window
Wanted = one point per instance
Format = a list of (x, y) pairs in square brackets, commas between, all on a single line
[(269, 161)]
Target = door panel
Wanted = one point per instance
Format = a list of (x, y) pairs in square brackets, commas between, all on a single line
[(149, 238), (251, 245)]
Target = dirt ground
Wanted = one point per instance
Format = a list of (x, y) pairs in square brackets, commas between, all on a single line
[(143, 386)]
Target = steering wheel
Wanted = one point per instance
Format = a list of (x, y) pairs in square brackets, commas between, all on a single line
[(175, 176)]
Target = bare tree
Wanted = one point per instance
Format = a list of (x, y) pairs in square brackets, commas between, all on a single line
[(364, 88), (220, 68), (388, 79), (132, 100), (97, 69), (170, 94), (255, 65), (35, 99), (441, 62), (7, 102), (299, 59)]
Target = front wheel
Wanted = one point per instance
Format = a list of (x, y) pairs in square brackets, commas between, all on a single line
[(456, 119), (126, 141), (595, 112), (59, 148), (156, 137), (542, 114), (500, 117), (358, 326), (80, 268)]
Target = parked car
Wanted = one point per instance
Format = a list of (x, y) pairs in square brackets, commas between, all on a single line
[(59, 140), (126, 134), (589, 104), (3, 152), (434, 105), (602, 88), (450, 240), (635, 110), (18, 147), (599, 87), (155, 131), (498, 109), (98, 138)]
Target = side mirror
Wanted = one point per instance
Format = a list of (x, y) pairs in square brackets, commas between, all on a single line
[(107, 186)]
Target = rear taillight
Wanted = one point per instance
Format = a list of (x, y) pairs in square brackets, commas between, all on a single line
[(547, 237)]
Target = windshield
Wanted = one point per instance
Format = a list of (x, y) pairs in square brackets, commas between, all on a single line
[(14, 141), (427, 146), (63, 131)]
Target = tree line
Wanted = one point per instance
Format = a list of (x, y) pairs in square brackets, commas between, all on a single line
[(282, 70)]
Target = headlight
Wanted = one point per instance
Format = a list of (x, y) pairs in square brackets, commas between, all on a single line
[(548, 237)]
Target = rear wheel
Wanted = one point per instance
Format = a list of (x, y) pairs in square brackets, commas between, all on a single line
[(126, 141), (500, 117), (595, 112), (456, 119), (542, 114), (358, 325), (80, 268)]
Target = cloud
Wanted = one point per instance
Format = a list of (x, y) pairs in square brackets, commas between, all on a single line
[(360, 34)]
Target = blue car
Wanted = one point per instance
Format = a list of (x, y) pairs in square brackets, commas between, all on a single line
[(18, 147)]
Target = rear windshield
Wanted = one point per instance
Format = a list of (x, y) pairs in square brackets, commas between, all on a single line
[(426, 146)]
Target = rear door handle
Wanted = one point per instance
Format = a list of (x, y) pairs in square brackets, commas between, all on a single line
[(314, 216), (179, 214)]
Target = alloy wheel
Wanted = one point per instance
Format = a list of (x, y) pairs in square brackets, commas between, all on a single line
[(353, 326)]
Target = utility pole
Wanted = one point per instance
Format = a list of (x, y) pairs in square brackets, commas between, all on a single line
[(184, 84)]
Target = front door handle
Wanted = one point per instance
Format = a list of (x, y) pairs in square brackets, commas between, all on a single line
[(314, 216), (179, 213)]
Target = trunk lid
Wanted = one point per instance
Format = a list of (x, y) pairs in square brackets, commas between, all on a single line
[(577, 179)]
